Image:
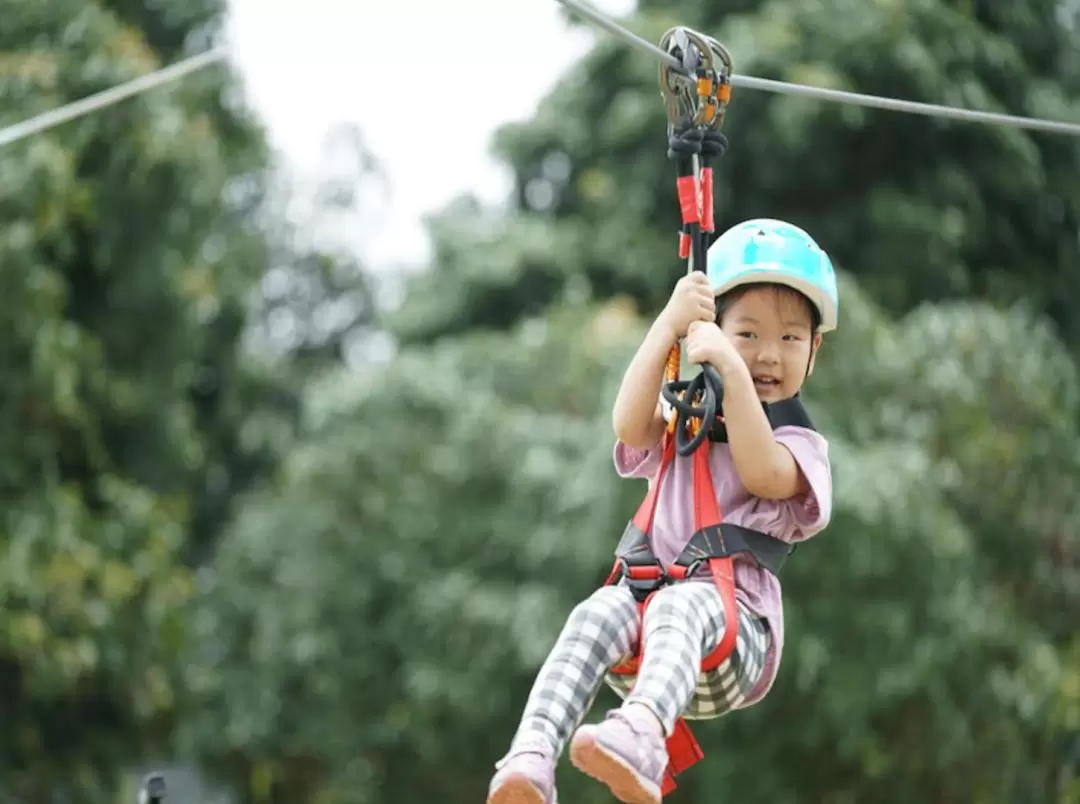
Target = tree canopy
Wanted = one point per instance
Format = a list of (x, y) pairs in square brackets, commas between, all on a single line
[(132, 243), (332, 580)]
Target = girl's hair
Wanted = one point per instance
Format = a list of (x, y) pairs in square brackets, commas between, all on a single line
[(725, 300)]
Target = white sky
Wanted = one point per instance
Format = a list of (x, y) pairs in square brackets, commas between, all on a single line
[(309, 64)]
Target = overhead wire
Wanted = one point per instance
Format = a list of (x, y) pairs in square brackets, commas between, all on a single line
[(832, 95), (111, 96)]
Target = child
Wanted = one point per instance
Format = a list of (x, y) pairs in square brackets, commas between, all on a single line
[(757, 317)]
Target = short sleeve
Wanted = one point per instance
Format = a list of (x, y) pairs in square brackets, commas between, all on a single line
[(812, 510), (632, 462)]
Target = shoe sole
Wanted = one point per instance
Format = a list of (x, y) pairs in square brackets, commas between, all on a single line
[(516, 789), (625, 783)]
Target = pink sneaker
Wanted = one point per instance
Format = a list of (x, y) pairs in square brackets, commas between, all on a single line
[(526, 775), (624, 752)]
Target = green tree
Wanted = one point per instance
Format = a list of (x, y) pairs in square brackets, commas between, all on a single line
[(366, 601), (133, 242), (918, 209), (377, 613), (386, 650)]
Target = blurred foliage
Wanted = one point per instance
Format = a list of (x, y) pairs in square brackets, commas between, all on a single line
[(450, 540), (132, 247), (234, 533), (919, 209)]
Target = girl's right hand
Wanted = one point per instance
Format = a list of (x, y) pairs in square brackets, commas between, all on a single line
[(692, 300)]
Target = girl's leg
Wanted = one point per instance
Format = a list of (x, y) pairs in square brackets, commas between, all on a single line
[(601, 631), (683, 623)]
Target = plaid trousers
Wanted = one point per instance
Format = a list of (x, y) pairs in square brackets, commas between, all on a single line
[(683, 623)]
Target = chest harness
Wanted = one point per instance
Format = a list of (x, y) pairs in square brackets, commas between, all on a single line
[(696, 110)]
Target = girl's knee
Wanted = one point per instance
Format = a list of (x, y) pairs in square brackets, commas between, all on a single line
[(680, 605), (679, 596), (608, 603)]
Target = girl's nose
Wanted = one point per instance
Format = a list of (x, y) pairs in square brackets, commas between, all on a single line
[(769, 352)]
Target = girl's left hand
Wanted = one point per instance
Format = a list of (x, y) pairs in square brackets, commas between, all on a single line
[(706, 343)]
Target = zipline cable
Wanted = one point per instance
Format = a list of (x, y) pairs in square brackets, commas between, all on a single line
[(834, 95), (109, 97), (174, 72)]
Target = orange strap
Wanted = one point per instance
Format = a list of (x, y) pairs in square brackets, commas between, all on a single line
[(706, 509), (683, 752), (646, 512), (723, 573)]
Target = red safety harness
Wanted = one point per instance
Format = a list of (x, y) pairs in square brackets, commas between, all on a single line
[(713, 545)]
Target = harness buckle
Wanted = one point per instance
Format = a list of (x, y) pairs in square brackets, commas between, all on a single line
[(683, 572), (642, 579)]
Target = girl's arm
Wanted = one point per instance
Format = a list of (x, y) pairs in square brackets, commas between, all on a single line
[(636, 415), (766, 467)]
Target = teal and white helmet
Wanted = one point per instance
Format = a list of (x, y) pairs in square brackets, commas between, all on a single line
[(767, 250)]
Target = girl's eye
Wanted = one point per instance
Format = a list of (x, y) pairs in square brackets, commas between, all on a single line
[(792, 338), (744, 334)]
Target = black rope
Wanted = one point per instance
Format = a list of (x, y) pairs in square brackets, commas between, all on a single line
[(698, 400), (707, 387), (683, 146), (713, 146)]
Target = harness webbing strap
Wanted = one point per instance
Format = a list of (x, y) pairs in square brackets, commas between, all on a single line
[(643, 519), (645, 575), (707, 516), (706, 509), (786, 413)]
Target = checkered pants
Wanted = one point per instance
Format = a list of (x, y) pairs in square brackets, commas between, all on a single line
[(683, 623)]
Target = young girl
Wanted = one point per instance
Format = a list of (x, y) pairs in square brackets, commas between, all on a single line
[(757, 316)]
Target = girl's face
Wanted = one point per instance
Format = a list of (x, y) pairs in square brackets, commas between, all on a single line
[(772, 329)]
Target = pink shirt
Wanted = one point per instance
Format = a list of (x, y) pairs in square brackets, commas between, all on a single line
[(793, 520)]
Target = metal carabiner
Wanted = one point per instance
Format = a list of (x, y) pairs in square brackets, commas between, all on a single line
[(696, 96)]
